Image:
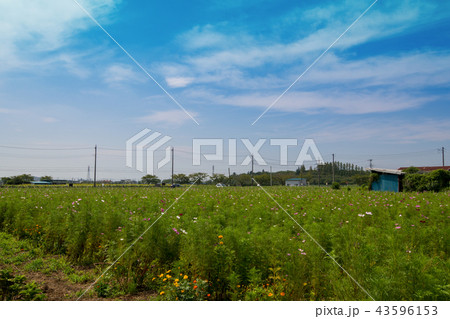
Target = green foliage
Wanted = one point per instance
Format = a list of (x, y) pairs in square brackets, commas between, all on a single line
[(102, 289), (335, 185), (46, 179), (198, 178), (35, 265), (411, 170), (150, 179), (14, 288), (439, 180), (361, 179), (17, 180), (416, 183), (219, 178), (181, 179), (435, 181), (236, 243), (374, 177)]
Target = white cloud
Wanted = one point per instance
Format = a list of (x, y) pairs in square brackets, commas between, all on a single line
[(178, 82), (117, 74), (202, 37), (231, 57), (371, 85), (7, 111), (244, 51), (386, 131), (337, 102), (49, 120), (412, 70), (171, 117), (43, 26)]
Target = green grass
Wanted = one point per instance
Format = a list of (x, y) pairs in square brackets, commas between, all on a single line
[(80, 277), (239, 241)]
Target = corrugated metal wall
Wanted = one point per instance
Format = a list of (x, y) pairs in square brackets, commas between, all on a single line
[(386, 183)]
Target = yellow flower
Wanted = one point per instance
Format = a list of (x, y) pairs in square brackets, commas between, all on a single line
[(304, 284), (182, 291), (168, 271), (239, 286), (220, 236), (168, 276), (153, 278), (162, 293), (270, 294), (282, 293), (164, 279), (185, 277), (221, 243), (177, 280), (162, 275)]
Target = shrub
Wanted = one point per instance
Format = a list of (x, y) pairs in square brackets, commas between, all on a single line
[(435, 181), (14, 288), (335, 185), (439, 180), (412, 170)]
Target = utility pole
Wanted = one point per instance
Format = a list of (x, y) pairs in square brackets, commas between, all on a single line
[(318, 174), (270, 175), (252, 169), (172, 164), (229, 175), (213, 170), (89, 173), (370, 161), (333, 168), (443, 157), (95, 167)]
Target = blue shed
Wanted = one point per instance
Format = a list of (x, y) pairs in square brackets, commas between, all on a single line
[(387, 180), (41, 183)]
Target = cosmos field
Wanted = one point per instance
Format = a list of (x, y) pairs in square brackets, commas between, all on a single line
[(238, 243)]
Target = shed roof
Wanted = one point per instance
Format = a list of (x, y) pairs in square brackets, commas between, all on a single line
[(387, 171), (427, 168)]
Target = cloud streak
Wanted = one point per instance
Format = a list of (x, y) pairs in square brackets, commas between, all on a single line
[(170, 117)]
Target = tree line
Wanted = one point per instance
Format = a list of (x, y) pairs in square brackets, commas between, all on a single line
[(344, 173)]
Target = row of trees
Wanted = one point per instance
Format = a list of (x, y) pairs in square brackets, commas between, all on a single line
[(23, 179), (344, 173), (180, 179)]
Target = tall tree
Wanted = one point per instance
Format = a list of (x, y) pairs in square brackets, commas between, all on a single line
[(150, 179)]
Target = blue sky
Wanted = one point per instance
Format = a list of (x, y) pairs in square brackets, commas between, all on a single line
[(381, 92)]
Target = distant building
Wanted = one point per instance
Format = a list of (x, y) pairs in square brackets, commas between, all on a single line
[(389, 180), (41, 183), (61, 182), (296, 182), (427, 168)]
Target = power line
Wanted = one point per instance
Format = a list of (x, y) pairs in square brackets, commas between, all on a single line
[(45, 149)]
